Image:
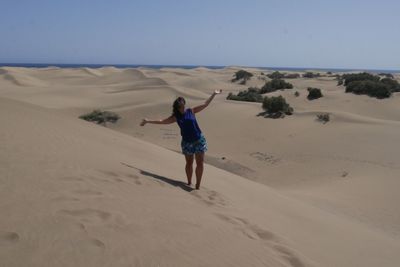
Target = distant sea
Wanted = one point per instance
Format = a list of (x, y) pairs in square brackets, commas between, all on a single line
[(45, 65)]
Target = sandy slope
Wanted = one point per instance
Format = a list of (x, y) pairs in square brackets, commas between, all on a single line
[(73, 193)]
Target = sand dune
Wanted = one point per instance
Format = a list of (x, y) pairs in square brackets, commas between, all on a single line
[(75, 206), (94, 72), (286, 192), (19, 78), (70, 187)]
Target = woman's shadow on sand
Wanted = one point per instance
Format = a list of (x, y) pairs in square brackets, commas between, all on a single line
[(167, 180)]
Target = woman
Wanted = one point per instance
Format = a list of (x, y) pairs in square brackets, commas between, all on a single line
[(193, 143)]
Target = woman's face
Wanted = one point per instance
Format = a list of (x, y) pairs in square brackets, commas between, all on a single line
[(181, 104)]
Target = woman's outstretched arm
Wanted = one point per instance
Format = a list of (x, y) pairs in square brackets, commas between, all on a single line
[(203, 106), (169, 120)]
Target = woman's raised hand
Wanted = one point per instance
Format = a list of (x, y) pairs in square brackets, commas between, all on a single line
[(144, 121)]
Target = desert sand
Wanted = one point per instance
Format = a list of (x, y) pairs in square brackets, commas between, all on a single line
[(275, 192)]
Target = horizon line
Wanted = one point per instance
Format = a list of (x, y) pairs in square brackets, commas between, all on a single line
[(32, 64)]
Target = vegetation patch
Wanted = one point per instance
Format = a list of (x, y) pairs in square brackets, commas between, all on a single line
[(292, 76), (252, 94), (354, 77), (310, 74), (370, 88), (393, 85), (279, 75), (323, 117), (274, 85), (242, 76), (276, 107), (276, 75), (368, 84), (387, 75), (314, 93), (100, 117)]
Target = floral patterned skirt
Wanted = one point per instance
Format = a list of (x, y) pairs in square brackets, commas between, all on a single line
[(198, 146)]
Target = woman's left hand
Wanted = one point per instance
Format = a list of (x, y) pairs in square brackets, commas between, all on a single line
[(143, 123)]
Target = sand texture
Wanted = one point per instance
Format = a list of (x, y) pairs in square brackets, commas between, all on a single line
[(275, 192)]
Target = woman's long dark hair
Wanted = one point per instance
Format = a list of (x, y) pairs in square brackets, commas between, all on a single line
[(175, 107)]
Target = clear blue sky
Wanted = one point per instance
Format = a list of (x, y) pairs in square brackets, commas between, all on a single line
[(286, 33)]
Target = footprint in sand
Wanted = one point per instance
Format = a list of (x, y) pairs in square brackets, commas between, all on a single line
[(293, 260), (214, 197), (117, 177), (110, 173), (254, 232), (119, 180), (87, 215), (97, 243), (81, 192), (8, 238), (92, 241), (228, 219), (262, 234), (97, 179), (250, 230), (110, 177), (265, 157), (135, 178), (82, 227), (209, 197)]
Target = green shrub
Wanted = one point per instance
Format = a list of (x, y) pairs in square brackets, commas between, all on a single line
[(276, 105), (387, 75), (275, 84), (99, 117), (393, 85), (371, 88), (314, 93), (292, 76), (250, 95), (311, 75), (242, 75), (279, 75), (276, 75), (371, 85), (364, 76), (324, 117), (339, 78)]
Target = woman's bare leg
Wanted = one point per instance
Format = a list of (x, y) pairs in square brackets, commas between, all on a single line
[(199, 168), (189, 168)]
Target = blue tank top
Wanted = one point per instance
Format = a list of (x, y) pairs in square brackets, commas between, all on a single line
[(190, 130)]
